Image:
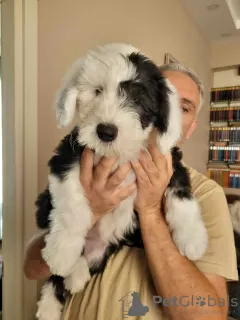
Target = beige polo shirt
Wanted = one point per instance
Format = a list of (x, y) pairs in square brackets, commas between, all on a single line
[(108, 296)]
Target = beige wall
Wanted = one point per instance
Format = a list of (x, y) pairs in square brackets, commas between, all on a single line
[(67, 28), (226, 78), (225, 55)]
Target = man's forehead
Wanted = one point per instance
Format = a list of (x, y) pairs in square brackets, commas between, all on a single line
[(185, 86)]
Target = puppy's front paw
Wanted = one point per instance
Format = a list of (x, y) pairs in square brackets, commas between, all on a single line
[(49, 308), (76, 281), (192, 241), (185, 222)]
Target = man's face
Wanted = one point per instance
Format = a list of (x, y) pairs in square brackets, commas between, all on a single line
[(190, 99)]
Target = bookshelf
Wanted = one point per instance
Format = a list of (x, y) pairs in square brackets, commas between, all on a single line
[(224, 138)]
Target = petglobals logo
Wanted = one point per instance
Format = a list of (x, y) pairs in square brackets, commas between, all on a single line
[(186, 301)]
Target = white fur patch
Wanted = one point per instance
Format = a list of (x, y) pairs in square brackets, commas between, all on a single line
[(188, 230), (49, 308), (71, 219), (76, 281), (173, 134), (235, 215)]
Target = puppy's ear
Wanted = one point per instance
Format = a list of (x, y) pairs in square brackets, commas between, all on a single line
[(66, 106), (173, 117), (66, 98)]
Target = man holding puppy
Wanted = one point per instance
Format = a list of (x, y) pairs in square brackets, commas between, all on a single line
[(160, 272)]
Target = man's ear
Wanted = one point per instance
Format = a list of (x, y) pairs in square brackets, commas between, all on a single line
[(191, 129), (66, 98)]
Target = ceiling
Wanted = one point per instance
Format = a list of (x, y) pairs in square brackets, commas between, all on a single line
[(220, 22)]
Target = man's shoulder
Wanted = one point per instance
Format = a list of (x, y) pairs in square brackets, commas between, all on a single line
[(203, 185), (220, 257)]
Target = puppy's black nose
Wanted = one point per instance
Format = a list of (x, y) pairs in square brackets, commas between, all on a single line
[(107, 132)]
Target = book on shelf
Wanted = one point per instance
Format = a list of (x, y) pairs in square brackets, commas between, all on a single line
[(224, 137), (225, 94)]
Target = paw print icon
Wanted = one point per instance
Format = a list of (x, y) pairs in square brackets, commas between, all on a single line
[(200, 301)]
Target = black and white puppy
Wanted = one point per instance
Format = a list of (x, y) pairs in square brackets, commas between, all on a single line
[(119, 97)]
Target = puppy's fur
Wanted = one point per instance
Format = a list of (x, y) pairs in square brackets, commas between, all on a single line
[(234, 210), (119, 97)]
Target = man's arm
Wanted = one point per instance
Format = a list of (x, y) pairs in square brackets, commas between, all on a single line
[(34, 267), (176, 277)]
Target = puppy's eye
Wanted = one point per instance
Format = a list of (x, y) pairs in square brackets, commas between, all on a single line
[(98, 91)]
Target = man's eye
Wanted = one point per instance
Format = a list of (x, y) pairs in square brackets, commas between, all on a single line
[(185, 109)]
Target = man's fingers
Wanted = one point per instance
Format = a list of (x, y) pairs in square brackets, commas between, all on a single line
[(118, 176), (149, 167), (169, 163), (86, 166), (161, 161), (141, 176), (157, 157), (127, 191), (103, 170)]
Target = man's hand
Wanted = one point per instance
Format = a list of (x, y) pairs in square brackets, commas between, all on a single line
[(153, 173), (103, 190)]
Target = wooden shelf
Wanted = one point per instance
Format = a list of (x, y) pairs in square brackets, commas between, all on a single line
[(225, 123), (232, 191), (224, 101)]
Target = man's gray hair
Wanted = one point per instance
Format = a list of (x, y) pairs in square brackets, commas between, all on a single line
[(190, 73)]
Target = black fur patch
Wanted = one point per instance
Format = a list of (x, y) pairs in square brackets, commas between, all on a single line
[(44, 207), (149, 93), (180, 181), (67, 154), (60, 291)]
